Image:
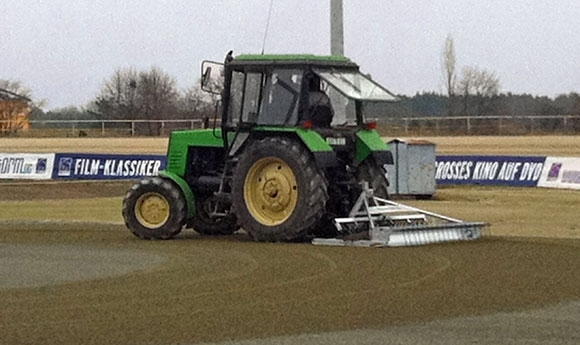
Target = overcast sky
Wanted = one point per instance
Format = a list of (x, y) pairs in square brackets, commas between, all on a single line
[(65, 49)]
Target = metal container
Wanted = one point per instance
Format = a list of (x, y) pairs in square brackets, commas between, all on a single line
[(413, 172)]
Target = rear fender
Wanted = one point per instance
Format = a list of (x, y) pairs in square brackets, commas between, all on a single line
[(370, 144), (314, 142)]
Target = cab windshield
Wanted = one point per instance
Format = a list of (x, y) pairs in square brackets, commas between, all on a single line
[(355, 85), (345, 87)]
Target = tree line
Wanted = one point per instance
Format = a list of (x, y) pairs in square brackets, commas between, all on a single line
[(504, 104), (476, 92), (130, 95)]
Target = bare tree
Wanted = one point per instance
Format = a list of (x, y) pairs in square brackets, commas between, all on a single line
[(147, 95), (478, 82), (478, 89), (157, 97), (448, 64), (198, 104), (116, 99)]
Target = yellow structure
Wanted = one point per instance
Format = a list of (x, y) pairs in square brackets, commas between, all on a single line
[(14, 112)]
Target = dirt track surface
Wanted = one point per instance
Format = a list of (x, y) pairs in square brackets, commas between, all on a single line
[(553, 325), (196, 289), (84, 145), (230, 288), (486, 145)]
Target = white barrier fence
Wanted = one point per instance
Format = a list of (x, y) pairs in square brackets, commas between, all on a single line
[(393, 124)]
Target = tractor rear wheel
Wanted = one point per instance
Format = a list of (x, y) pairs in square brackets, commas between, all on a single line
[(375, 175), (279, 193), (154, 208)]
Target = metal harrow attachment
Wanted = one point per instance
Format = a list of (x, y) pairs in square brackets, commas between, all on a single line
[(384, 223)]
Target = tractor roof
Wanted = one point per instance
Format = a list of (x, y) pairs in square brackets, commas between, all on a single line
[(293, 60)]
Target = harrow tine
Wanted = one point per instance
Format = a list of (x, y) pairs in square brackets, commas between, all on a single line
[(391, 224)]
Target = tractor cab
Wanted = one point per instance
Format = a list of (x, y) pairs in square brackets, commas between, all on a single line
[(292, 90)]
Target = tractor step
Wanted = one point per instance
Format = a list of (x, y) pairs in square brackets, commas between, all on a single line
[(385, 223)]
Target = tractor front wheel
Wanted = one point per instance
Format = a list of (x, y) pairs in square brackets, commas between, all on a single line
[(154, 208), (279, 194)]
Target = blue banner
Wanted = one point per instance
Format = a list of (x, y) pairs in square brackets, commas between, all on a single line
[(450, 170), (489, 170), (106, 167)]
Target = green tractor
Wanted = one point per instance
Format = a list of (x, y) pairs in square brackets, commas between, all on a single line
[(292, 148)]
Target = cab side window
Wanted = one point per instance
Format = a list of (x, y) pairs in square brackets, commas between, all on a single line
[(281, 96), (244, 97), (236, 94), (252, 97)]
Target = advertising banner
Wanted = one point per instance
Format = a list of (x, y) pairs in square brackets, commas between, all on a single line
[(561, 172), (106, 167), (26, 166), (489, 170)]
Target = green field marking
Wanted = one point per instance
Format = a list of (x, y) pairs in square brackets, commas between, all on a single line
[(512, 211), (526, 212), (89, 210)]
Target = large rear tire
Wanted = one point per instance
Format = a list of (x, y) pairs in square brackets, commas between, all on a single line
[(154, 208), (375, 175), (279, 193)]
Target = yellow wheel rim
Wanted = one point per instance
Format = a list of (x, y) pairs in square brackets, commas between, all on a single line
[(152, 210), (270, 191)]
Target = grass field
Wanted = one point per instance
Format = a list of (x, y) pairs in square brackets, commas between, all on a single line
[(527, 212)]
